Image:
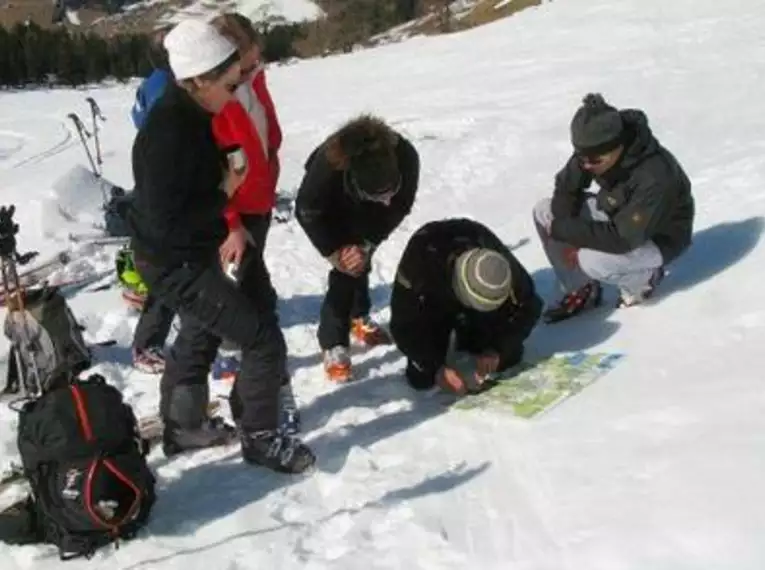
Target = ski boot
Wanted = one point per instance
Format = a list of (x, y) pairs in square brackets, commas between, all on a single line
[(368, 333), (337, 364), (276, 451), (226, 366), (586, 297), (289, 419), (213, 432), (150, 360)]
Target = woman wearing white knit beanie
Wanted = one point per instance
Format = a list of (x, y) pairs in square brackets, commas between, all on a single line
[(204, 62), (182, 183)]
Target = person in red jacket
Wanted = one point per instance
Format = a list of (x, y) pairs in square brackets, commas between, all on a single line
[(248, 127), (249, 123)]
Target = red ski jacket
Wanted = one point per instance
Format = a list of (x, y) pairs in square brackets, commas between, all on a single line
[(233, 125)]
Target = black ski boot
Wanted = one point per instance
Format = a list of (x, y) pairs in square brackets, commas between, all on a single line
[(187, 423), (212, 432), (289, 414), (586, 297), (277, 451)]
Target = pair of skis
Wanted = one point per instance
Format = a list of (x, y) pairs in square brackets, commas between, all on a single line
[(96, 115)]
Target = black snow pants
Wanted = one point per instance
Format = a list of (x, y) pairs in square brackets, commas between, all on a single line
[(212, 307), (156, 318), (347, 298), (153, 325)]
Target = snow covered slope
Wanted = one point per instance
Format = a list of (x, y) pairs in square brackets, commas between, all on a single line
[(659, 465), (257, 10)]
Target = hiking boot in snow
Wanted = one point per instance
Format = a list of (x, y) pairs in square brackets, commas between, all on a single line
[(586, 297), (133, 299), (627, 299), (337, 364), (276, 451), (212, 432), (289, 415), (367, 332), (226, 366), (149, 360)]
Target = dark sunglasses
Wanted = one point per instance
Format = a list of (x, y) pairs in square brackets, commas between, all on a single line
[(382, 196), (590, 158)]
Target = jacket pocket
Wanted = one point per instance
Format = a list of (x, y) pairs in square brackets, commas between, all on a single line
[(612, 200)]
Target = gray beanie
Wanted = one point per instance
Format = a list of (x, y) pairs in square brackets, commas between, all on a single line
[(596, 127), (482, 279)]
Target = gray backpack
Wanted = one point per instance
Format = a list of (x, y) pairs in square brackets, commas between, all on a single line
[(47, 346)]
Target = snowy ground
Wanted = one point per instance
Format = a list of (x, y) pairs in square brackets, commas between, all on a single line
[(656, 466), (257, 10)]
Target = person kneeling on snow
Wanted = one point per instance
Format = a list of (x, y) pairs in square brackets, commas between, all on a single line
[(358, 187), (457, 276), (182, 181), (640, 220)]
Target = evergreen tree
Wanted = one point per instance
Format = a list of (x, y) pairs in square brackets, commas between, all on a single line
[(64, 64), (5, 57)]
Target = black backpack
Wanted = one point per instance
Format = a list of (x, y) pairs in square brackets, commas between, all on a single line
[(47, 346), (86, 464), (115, 212)]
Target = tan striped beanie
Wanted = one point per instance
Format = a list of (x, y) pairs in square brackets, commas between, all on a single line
[(482, 279)]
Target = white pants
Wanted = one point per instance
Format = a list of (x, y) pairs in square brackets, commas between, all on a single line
[(630, 271)]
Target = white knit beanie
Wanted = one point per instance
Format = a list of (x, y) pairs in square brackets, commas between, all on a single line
[(195, 47)]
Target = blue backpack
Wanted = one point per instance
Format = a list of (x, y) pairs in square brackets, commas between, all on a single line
[(148, 93)]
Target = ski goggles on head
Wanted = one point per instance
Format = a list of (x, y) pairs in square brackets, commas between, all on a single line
[(381, 195)]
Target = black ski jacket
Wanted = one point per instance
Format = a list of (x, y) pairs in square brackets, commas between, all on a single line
[(425, 310), (332, 217), (647, 196), (176, 215)]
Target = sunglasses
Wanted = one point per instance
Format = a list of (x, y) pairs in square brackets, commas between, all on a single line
[(591, 159), (382, 196)]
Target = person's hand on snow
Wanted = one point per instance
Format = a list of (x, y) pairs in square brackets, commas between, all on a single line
[(486, 364), (232, 249), (450, 380), (349, 259)]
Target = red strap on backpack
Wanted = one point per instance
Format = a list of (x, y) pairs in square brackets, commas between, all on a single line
[(87, 432)]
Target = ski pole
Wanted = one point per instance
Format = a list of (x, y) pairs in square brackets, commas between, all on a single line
[(15, 299), (83, 132), (95, 113)]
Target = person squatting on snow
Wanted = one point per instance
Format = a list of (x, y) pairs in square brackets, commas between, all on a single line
[(359, 184), (640, 220), (250, 123), (456, 276), (182, 182)]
